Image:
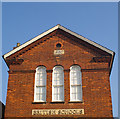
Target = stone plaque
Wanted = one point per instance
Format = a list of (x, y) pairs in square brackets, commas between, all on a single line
[(58, 52), (57, 111)]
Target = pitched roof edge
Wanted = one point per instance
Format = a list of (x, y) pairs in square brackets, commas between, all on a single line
[(92, 43), (87, 40), (49, 31), (111, 63), (30, 41)]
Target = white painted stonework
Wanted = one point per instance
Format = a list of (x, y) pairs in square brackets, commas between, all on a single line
[(57, 111), (58, 52)]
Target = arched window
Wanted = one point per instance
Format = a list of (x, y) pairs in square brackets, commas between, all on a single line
[(58, 84), (75, 83), (40, 84)]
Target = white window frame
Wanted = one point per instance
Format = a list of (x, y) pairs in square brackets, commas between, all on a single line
[(76, 85), (43, 86), (61, 85)]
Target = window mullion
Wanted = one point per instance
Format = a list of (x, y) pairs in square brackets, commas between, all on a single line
[(57, 83), (75, 83), (40, 85)]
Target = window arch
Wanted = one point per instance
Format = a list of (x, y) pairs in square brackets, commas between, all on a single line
[(40, 84), (75, 83), (58, 84)]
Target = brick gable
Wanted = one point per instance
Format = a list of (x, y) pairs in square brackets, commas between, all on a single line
[(95, 66)]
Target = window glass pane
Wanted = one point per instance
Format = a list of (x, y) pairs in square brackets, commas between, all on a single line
[(44, 90), (60, 97), (78, 96), (40, 93), (73, 96), (43, 97), (77, 92), (38, 77), (80, 78), (56, 97), (37, 89), (58, 79), (55, 91), (78, 89), (40, 84), (55, 82), (75, 75), (55, 76), (58, 83), (75, 83), (58, 93), (80, 92), (37, 82), (41, 69), (59, 76), (37, 96), (73, 90), (59, 88), (41, 79)]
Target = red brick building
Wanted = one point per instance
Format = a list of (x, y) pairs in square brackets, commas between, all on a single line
[(59, 74)]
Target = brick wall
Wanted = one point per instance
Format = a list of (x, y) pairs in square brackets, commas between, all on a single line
[(95, 77)]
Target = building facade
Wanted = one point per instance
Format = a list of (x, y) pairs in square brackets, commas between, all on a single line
[(59, 74), (2, 110)]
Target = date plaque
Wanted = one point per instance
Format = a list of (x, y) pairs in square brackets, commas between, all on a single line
[(58, 52)]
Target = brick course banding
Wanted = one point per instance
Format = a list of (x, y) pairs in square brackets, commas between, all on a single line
[(95, 77)]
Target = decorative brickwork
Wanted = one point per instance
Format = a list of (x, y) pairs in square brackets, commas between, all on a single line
[(95, 69)]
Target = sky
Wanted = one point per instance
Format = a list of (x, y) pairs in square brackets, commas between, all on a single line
[(97, 21)]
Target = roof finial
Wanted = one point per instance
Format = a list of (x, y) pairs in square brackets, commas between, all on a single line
[(58, 25)]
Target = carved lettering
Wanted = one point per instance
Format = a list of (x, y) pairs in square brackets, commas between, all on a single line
[(57, 111), (58, 52)]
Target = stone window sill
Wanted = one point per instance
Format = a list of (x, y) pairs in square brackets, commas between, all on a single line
[(76, 101), (39, 102), (57, 102)]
